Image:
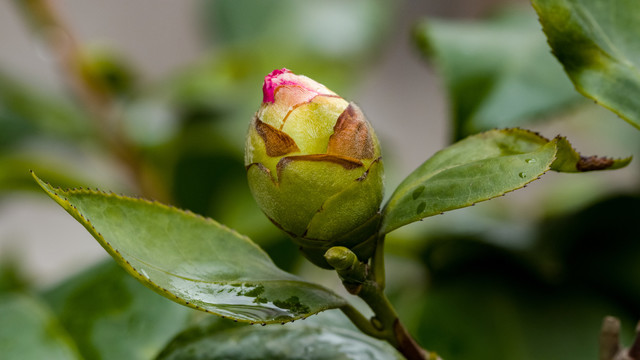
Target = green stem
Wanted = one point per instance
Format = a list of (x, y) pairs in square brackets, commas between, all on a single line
[(385, 324), (377, 263), (361, 322)]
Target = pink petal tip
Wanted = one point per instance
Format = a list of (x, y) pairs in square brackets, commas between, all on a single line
[(271, 82)]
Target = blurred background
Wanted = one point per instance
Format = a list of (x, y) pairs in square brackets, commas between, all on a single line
[(153, 97)]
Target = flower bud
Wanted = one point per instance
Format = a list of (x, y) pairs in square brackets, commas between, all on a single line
[(314, 167)]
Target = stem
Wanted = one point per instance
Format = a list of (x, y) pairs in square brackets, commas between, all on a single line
[(361, 322), (385, 324), (390, 326), (101, 106), (377, 263)]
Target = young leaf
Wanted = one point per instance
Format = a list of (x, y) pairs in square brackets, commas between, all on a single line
[(482, 167), (30, 331), (597, 43), (498, 72), (283, 343), (192, 260)]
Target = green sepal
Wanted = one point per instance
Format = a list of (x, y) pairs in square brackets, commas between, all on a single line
[(300, 192)]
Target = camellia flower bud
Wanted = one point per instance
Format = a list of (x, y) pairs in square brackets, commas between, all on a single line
[(314, 166)]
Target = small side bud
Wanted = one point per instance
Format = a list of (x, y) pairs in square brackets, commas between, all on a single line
[(351, 270), (341, 258)]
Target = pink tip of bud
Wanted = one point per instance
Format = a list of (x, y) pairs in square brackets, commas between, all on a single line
[(271, 82)]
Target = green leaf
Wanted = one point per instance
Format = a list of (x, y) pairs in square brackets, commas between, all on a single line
[(282, 343), (603, 233), (192, 260), (15, 165), (498, 72), (312, 28), (597, 43), (30, 331), (482, 167), (99, 306), (511, 311), (25, 113)]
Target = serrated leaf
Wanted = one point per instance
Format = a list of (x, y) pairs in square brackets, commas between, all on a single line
[(281, 343), (498, 71), (482, 167), (193, 260), (30, 331), (597, 43), (110, 315)]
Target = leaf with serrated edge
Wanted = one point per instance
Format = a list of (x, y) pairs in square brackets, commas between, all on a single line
[(193, 260), (479, 168), (597, 43)]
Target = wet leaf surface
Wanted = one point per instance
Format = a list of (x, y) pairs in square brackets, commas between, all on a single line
[(193, 260)]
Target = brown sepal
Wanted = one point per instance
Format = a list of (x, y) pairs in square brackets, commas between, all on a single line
[(351, 135), (277, 142)]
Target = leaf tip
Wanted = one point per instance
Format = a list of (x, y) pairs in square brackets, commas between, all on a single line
[(594, 162)]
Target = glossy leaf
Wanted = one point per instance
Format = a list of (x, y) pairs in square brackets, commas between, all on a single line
[(30, 331), (282, 343), (110, 315), (498, 71), (482, 167), (597, 43), (193, 260)]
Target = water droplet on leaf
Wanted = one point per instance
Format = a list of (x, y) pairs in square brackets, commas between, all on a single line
[(522, 175), (530, 161)]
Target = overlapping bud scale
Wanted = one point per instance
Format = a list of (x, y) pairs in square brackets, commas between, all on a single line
[(314, 166)]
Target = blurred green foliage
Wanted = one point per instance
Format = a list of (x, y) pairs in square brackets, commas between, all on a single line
[(498, 72), (466, 290)]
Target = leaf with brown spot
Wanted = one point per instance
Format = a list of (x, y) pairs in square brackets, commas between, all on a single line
[(569, 160), (479, 168), (351, 135)]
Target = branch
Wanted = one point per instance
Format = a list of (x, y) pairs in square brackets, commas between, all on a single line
[(610, 347)]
